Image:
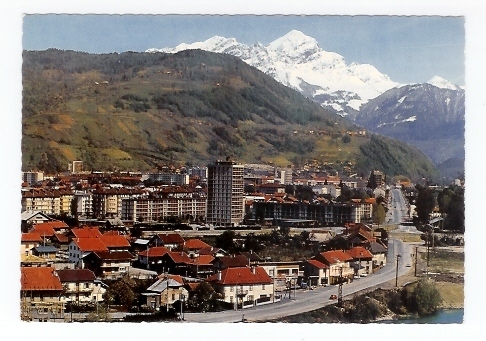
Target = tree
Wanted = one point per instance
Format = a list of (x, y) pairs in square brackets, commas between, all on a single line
[(226, 242), (378, 213), (425, 298), (346, 138), (204, 298), (425, 203), (121, 292)]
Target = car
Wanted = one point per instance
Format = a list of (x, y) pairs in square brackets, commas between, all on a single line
[(408, 265), (356, 277), (364, 275), (333, 297)]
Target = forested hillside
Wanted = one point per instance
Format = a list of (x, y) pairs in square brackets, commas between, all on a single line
[(135, 111)]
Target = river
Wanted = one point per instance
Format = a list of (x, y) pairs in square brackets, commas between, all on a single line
[(444, 316)]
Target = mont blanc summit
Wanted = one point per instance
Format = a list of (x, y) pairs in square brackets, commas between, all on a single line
[(297, 61)]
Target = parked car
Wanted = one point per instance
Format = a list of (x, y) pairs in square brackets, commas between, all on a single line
[(333, 297), (364, 275), (356, 277)]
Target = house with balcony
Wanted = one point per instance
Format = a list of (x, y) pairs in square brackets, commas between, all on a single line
[(81, 286), (201, 266), (108, 264), (244, 287), (339, 264)]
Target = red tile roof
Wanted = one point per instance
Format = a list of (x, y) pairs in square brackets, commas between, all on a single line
[(176, 278), (115, 241), (44, 230), (242, 276), (236, 261), (90, 244), (179, 257), (359, 252), (317, 264), (39, 278), (86, 232), (76, 275), (195, 244), (31, 237), (171, 238), (336, 256), (209, 251), (154, 252), (62, 238), (203, 260)]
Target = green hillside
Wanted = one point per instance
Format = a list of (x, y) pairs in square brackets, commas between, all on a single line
[(135, 111)]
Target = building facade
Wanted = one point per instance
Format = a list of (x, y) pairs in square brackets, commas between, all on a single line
[(225, 205)]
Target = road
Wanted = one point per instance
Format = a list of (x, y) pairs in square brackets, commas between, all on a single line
[(307, 300), (397, 207)]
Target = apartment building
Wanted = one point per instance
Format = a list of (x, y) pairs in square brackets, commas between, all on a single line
[(172, 201), (225, 205)]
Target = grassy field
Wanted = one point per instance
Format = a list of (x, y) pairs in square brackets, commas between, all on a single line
[(446, 262), (452, 294)]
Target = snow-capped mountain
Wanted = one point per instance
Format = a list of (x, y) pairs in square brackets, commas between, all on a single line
[(297, 61), (443, 83), (430, 117)]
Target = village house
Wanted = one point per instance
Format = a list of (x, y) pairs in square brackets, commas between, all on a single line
[(201, 266), (81, 286), (171, 241), (339, 264), (28, 241), (165, 292), (362, 260), (152, 258), (41, 295), (108, 264), (81, 247), (243, 287), (316, 272)]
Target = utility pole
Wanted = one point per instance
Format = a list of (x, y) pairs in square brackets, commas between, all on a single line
[(340, 287), (396, 276), (416, 257)]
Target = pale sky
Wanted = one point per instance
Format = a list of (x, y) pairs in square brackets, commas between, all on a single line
[(409, 49)]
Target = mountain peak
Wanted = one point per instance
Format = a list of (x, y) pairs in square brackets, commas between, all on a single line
[(443, 83), (292, 41)]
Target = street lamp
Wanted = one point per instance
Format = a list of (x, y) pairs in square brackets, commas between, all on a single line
[(396, 276)]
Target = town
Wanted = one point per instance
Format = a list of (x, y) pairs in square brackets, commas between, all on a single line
[(99, 246)]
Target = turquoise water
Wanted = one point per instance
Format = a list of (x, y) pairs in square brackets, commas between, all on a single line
[(446, 316)]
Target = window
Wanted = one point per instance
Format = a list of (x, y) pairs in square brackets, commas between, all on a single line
[(232, 289), (251, 287), (263, 286), (173, 297), (231, 299)]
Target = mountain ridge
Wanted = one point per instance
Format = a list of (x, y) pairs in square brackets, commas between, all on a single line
[(136, 111)]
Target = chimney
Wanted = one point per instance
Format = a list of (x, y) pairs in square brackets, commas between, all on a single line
[(219, 275), (253, 270)]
